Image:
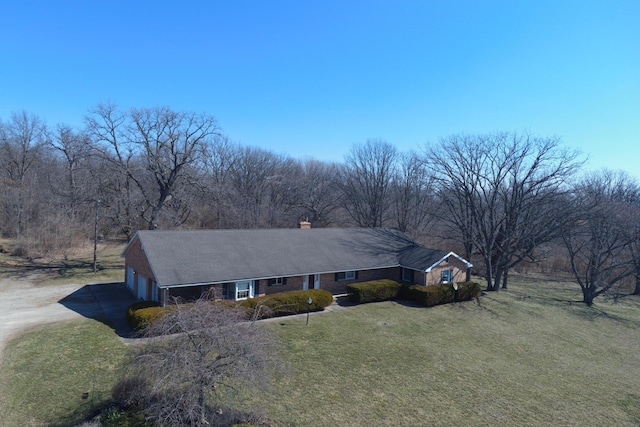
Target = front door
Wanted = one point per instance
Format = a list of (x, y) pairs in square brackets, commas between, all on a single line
[(316, 281), (305, 283)]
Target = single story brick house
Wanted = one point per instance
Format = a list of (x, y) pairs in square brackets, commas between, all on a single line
[(239, 264)]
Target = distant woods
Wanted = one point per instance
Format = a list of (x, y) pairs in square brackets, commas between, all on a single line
[(501, 200)]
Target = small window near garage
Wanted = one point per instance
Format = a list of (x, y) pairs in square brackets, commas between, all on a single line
[(446, 276), (407, 275), (276, 281), (346, 275)]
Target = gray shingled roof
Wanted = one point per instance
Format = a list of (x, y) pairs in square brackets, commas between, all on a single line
[(209, 256)]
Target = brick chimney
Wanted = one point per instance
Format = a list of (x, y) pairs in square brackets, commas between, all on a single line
[(305, 225)]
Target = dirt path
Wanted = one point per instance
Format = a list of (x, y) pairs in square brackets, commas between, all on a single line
[(24, 304)]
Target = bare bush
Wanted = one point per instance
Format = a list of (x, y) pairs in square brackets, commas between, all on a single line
[(202, 361)]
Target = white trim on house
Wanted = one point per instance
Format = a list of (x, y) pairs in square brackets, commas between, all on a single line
[(434, 265), (243, 289)]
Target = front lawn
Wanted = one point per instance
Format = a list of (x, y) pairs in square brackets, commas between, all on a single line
[(45, 373), (528, 356)]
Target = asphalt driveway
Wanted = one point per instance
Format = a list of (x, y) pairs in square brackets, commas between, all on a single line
[(24, 304)]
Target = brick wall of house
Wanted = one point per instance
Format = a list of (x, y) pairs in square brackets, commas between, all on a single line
[(328, 282), (459, 271), (192, 293), (293, 284), (136, 259)]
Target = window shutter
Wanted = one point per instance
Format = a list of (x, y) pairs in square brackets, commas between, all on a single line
[(225, 290), (256, 288), (356, 275), (284, 280), (335, 277)]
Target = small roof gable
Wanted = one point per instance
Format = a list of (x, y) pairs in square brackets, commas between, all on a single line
[(214, 256), (421, 258)]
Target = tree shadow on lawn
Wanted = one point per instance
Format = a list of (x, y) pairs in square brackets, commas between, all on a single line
[(104, 302), (46, 270), (77, 413)]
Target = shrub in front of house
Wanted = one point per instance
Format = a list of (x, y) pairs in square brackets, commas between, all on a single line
[(286, 303), (374, 290), (427, 296), (139, 319), (467, 291), (132, 320), (431, 295)]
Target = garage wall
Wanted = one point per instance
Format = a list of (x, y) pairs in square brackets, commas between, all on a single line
[(138, 272)]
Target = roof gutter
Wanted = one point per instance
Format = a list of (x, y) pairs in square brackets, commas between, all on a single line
[(218, 282)]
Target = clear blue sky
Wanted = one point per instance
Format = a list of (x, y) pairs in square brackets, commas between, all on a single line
[(314, 77)]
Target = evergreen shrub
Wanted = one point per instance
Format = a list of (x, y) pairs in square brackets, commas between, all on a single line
[(141, 318), (138, 305), (291, 302), (374, 290), (468, 291), (427, 296), (445, 293)]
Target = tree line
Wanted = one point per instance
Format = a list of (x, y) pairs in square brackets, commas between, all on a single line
[(501, 199)]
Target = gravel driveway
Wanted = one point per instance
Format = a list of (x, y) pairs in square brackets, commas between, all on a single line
[(25, 304)]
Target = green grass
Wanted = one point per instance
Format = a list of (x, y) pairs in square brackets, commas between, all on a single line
[(45, 372), (528, 356)]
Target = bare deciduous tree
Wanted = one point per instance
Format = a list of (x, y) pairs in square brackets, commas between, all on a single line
[(21, 140), (366, 182), (601, 240), (201, 359), (413, 196), (502, 192), (316, 192), (75, 189), (154, 148)]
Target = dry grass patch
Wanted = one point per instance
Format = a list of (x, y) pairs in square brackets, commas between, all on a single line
[(76, 267)]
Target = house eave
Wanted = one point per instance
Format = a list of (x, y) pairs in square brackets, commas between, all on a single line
[(218, 282), (435, 264)]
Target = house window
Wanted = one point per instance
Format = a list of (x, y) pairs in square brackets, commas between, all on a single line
[(345, 275), (407, 275), (244, 290), (278, 281), (446, 276)]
